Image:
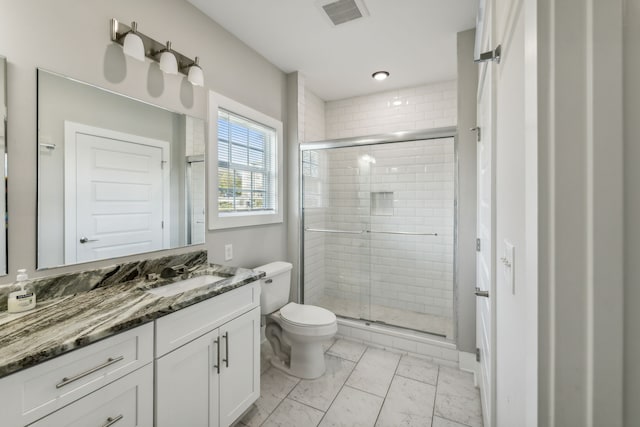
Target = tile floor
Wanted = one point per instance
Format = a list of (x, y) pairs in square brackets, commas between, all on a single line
[(367, 386), (431, 323)]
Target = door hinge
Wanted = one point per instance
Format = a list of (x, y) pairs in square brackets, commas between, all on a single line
[(477, 354), (162, 224), (162, 162), (478, 245), (492, 55), (478, 132)]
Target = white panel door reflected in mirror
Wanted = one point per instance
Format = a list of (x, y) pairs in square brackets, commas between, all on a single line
[(116, 176)]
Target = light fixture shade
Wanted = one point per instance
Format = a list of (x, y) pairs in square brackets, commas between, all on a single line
[(133, 45), (196, 76), (168, 63)]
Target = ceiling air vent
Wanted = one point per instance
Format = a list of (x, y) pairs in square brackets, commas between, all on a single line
[(343, 11)]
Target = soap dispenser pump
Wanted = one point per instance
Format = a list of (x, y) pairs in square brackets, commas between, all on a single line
[(23, 299)]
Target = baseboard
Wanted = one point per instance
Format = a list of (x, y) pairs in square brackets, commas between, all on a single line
[(468, 362)]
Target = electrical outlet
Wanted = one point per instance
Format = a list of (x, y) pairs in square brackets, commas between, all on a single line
[(228, 252)]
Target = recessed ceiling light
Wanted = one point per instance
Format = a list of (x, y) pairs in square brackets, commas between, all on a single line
[(380, 75)]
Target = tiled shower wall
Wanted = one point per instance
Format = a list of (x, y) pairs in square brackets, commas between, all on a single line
[(401, 271), (415, 108), (407, 272), (313, 126)]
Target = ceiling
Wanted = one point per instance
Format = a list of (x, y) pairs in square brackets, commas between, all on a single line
[(415, 40)]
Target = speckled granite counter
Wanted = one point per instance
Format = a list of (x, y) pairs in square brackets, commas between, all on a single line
[(66, 323)]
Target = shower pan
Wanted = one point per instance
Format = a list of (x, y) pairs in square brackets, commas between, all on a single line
[(378, 229)]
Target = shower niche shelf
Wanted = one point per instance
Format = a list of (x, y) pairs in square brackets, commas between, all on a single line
[(382, 203)]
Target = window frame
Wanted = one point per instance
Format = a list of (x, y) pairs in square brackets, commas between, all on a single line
[(220, 219)]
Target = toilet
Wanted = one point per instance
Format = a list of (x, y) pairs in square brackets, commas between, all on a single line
[(296, 332)]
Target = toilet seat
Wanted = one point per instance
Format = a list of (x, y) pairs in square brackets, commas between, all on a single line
[(306, 315), (299, 319)]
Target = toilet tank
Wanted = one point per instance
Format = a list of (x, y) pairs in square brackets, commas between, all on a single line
[(274, 286)]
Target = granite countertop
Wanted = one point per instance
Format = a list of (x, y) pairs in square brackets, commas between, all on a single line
[(63, 324)]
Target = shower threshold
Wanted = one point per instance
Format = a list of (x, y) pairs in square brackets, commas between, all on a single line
[(369, 322)]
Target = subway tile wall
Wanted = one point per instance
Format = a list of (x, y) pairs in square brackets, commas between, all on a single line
[(314, 119), (406, 272), (415, 108), (401, 271)]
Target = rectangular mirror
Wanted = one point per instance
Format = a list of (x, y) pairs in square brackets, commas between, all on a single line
[(116, 176), (3, 165)]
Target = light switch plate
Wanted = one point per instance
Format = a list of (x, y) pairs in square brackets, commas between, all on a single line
[(228, 252), (509, 265)]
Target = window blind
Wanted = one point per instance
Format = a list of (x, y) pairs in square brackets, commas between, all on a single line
[(246, 165)]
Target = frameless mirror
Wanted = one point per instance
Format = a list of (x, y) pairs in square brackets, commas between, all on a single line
[(116, 176), (3, 165)]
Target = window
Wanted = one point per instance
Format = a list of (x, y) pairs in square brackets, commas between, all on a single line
[(246, 147)]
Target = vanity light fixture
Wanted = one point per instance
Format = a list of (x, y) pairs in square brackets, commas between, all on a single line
[(380, 75), (168, 61), (132, 45), (195, 76), (152, 49)]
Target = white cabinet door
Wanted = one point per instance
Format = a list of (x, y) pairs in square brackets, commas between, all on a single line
[(187, 385), (240, 373), (127, 402)]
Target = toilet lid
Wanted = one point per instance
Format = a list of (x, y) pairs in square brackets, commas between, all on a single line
[(306, 315)]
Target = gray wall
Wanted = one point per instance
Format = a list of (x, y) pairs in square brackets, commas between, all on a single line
[(631, 71), (466, 262), (76, 43)]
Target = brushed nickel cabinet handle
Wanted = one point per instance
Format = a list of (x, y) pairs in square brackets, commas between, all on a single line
[(226, 349), (112, 421), (68, 380), (217, 365)]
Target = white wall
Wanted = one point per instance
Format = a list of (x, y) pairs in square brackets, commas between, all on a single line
[(581, 158), (631, 56), (422, 107), (76, 43)]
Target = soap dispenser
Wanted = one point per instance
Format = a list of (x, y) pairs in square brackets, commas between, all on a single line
[(23, 299)]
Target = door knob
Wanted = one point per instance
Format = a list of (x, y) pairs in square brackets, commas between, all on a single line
[(86, 239), (480, 293)]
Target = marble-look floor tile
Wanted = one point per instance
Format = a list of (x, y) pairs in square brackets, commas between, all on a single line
[(457, 398), (409, 403), (346, 349), (319, 393), (418, 369), (441, 422), (374, 371), (328, 344), (275, 385), (293, 414), (353, 408)]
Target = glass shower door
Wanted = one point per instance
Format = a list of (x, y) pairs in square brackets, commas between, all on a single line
[(412, 235), (336, 219)]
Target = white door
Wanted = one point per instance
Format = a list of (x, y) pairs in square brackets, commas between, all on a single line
[(240, 376), (485, 257), (187, 385), (116, 194), (512, 359)]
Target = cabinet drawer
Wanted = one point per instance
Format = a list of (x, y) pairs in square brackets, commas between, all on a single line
[(127, 402), (38, 391), (185, 325)]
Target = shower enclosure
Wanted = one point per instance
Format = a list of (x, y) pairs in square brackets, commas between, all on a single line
[(378, 229)]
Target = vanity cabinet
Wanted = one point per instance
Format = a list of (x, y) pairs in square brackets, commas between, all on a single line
[(77, 381), (200, 363), (127, 402), (211, 380)]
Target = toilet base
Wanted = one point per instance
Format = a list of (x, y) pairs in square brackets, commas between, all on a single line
[(307, 361)]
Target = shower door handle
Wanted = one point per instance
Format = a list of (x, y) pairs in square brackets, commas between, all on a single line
[(480, 293)]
